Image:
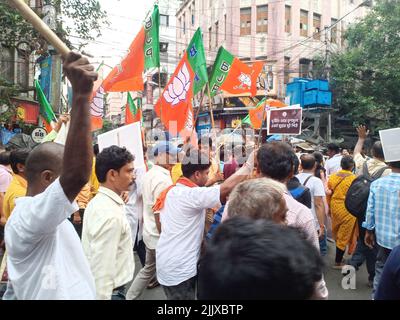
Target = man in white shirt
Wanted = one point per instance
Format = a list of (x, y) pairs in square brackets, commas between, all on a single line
[(332, 165), (107, 236), (317, 190), (156, 180), (182, 214), (134, 212), (45, 257)]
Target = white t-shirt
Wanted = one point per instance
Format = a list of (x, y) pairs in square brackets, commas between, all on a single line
[(134, 206), (182, 230), (155, 181), (317, 189), (332, 165), (45, 256)]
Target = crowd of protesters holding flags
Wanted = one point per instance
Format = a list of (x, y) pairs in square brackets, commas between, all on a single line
[(244, 222)]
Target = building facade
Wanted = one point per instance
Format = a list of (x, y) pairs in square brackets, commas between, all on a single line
[(17, 68), (286, 35)]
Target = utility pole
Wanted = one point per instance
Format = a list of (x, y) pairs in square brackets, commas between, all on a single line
[(327, 73)]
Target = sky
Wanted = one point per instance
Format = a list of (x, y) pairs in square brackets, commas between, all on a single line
[(125, 18)]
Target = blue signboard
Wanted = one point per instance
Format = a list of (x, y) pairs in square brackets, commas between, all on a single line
[(45, 76)]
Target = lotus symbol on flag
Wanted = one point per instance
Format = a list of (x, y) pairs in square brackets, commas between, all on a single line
[(189, 120), (245, 80), (97, 105), (178, 89)]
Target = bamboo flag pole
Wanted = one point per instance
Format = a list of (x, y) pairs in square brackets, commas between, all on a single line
[(197, 114), (41, 27), (211, 108), (266, 84), (159, 92)]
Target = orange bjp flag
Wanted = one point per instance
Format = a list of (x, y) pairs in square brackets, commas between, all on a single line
[(234, 76), (256, 115), (127, 76), (97, 106), (175, 105)]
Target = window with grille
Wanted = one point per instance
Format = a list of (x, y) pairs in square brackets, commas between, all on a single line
[(262, 19), (163, 47), (303, 23), (245, 21), (225, 26), (216, 33), (317, 26), (334, 30), (23, 69), (193, 13), (304, 68), (7, 64), (288, 19), (287, 70), (209, 38), (164, 20)]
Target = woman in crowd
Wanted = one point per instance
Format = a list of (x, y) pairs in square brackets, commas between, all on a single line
[(344, 226)]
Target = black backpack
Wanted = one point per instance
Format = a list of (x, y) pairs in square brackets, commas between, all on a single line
[(356, 201)]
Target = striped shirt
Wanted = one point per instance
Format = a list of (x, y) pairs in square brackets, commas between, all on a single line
[(383, 211)]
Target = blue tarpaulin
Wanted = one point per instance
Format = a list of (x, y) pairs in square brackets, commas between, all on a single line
[(6, 135), (276, 137)]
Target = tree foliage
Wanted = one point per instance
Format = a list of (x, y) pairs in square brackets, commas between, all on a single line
[(366, 77), (77, 19)]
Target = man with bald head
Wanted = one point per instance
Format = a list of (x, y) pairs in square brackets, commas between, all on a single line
[(45, 257)]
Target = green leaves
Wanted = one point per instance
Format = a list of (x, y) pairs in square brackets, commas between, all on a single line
[(87, 16), (366, 77)]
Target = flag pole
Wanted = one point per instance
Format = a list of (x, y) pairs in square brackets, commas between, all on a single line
[(197, 114), (41, 27), (264, 111), (211, 108), (159, 92)]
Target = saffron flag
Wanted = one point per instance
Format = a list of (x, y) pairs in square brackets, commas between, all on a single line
[(175, 104), (144, 53), (234, 76), (46, 111), (256, 115), (97, 106), (133, 112)]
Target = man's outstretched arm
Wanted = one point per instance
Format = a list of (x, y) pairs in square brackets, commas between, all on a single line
[(78, 154), (362, 136)]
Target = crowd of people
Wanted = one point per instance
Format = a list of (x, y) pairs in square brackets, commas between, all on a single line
[(206, 222)]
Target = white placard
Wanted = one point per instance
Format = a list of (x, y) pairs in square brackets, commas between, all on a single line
[(391, 144), (130, 137)]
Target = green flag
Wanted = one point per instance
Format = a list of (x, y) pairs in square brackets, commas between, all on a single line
[(45, 108), (246, 120), (234, 76), (197, 60), (133, 110), (152, 40), (220, 71)]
